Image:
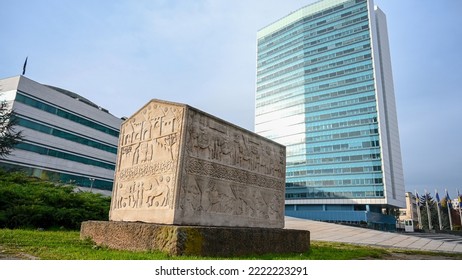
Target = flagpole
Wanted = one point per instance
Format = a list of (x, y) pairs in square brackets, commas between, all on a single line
[(448, 204), (419, 217), (459, 199), (24, 66), (430, 227), (438, 209)]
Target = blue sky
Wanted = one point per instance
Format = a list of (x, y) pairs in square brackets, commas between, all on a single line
[(121, 54)]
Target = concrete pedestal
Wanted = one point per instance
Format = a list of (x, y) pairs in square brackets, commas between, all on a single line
[(195, 240)]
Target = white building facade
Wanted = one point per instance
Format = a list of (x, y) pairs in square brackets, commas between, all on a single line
[(67, 138)]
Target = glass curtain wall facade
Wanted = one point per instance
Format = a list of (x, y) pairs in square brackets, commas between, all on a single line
[(68, 138), (324, 89)]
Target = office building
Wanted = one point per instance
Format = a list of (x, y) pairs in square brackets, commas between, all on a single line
[(67, 138), (325, 90)]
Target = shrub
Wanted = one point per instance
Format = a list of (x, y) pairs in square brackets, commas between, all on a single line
[(28, 202)]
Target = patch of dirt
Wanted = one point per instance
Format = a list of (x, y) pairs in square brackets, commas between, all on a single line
[(5, 255)]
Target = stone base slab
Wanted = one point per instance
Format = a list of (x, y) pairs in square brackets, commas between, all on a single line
[(195, 240)]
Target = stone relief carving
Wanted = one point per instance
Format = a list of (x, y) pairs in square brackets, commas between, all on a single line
[(148, 156), (228, 176), (224, 197), (214, 170), (150, 136), (153, 193), (231, 172), (211, 141)]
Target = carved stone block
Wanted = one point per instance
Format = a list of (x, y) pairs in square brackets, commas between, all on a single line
[(179, 165)]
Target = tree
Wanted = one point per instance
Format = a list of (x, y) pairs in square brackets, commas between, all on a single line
[(424, 199), (445, 214), (432, 205), (29, 202), (9, 137)]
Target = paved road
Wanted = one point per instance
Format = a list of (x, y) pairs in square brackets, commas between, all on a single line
[(322, 231)]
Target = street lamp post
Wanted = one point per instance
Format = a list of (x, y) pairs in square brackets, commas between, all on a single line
[(91, 183)]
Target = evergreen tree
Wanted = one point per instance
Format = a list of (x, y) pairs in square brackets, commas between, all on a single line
[(8, 136), (444, 214), (427, 198)]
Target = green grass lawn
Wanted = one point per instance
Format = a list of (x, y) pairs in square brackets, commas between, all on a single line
[(66, 245)]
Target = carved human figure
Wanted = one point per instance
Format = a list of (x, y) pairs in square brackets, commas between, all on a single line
[(214, 199), (225, 154), (192, 197), (261, 206), (219, 200), (136, 155), (203, 143), (273, 210), (129, 195), (145, 152)]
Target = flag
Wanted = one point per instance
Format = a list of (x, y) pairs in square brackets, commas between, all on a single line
[(437, 197), (417, 198), (459, 199), (24, 67), (448, 199)]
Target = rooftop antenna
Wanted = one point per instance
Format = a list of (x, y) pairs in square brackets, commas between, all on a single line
[(24, 67)]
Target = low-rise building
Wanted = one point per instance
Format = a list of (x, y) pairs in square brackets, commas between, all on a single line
[(408, 214), (67, 138), (455, 203)]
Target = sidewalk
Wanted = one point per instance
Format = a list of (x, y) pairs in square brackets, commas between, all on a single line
[(322, 231)]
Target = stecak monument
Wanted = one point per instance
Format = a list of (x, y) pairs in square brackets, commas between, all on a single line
[(188, 183)]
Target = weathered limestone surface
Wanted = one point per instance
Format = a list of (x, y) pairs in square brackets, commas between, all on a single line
[(195, 240), (179, 165)]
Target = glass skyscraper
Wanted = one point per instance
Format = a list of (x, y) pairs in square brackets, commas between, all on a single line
[(325, 90)]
